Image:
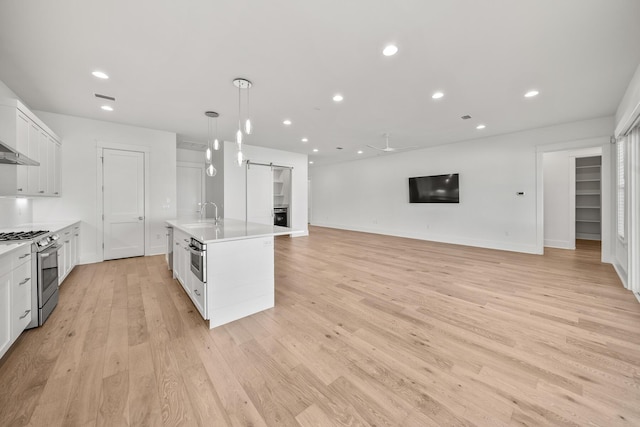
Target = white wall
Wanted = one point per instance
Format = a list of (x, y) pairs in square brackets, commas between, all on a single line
[(372, 194), (560, 196), (6, 92), (79, 168), (235, 185), (214, 186), (629, 107), (557, 203), (15, 211)]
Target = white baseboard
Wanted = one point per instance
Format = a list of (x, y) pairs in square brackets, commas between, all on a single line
[(559, 244), (621, 274), (487, 244)]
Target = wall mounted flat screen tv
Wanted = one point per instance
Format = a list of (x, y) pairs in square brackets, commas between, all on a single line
[(434, 189)]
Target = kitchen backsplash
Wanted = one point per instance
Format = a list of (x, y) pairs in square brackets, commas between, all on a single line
[(14, 212)]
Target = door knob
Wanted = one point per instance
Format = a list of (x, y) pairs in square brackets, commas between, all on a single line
[(140, 218)]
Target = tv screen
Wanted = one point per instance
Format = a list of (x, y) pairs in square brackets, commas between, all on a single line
[(434, 189)]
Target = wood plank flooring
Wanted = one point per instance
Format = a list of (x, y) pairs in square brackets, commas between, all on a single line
[(367, 330)]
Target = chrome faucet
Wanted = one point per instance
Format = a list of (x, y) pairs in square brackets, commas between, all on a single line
[(203, 207)]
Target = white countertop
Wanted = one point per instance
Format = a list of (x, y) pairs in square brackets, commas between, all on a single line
[(206, 231), (6, 248), (54, 226)]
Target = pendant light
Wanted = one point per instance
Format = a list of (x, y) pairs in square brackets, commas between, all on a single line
[(211, 145), (247, 124), (241, 83)]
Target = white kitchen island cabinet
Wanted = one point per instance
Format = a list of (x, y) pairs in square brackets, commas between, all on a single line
[(239, 267)]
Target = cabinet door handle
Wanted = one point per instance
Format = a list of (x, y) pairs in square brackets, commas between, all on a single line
[(24, 281), (76, 235), (177, 244), (24, 256), (41, 191), (56, 192), (25, 314), (19, 189), (186, 240), (196, 292)]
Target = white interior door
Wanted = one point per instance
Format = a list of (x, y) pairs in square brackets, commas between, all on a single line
[(123, 203), (189, 188), (260, 194)]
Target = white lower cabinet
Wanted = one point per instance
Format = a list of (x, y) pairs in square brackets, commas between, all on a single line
[(16, 287), (5, 313), (182, 271), (21, 299), (68, 252)]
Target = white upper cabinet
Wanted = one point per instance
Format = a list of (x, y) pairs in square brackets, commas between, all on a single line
[(23, 131)]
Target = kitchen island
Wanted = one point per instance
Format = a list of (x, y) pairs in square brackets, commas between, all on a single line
[(226, 268)]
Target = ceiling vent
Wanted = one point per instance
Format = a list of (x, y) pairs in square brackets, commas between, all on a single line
[(465, 117), (110, 98)]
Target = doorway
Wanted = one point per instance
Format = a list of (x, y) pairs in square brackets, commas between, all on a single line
[(123, 191), (190, 189), (576, 199), (268, 193)]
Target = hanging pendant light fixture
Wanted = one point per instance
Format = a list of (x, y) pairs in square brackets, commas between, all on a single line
[(241, 83), (247, 124), (211, 145)]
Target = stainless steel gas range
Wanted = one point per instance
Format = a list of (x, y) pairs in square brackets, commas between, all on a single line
[(44, 270)]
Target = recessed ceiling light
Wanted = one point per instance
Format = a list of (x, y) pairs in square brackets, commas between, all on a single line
[(311, 162), (337, 97), (390, 50), (287, 122), (315, 150), (100, 75), (107, 108), (481, 126), (359, 151), (305, 139), (437, 95), (531, 93)]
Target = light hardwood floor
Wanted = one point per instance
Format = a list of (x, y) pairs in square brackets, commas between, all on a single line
[(367, 330)]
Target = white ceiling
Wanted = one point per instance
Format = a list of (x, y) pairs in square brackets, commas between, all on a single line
[(169, 61)]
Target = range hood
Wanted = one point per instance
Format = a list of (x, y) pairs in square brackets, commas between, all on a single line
[(9, 156)]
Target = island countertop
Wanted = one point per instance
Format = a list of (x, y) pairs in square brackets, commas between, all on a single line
[(207, 231)]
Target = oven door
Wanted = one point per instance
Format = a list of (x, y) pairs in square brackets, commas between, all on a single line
[(47, 274), (198, 262)]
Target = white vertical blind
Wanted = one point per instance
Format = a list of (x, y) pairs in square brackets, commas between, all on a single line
[(621, 189)]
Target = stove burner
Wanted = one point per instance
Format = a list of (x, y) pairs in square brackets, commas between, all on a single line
[(21, 235)]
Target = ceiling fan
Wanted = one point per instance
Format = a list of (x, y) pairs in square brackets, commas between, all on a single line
[(387, 148)]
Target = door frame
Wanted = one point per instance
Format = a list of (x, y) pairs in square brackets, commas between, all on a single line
[(606, 196), (100, 147)]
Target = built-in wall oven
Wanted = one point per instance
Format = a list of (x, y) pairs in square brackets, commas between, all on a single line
[(281, 217), (198, 259)]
